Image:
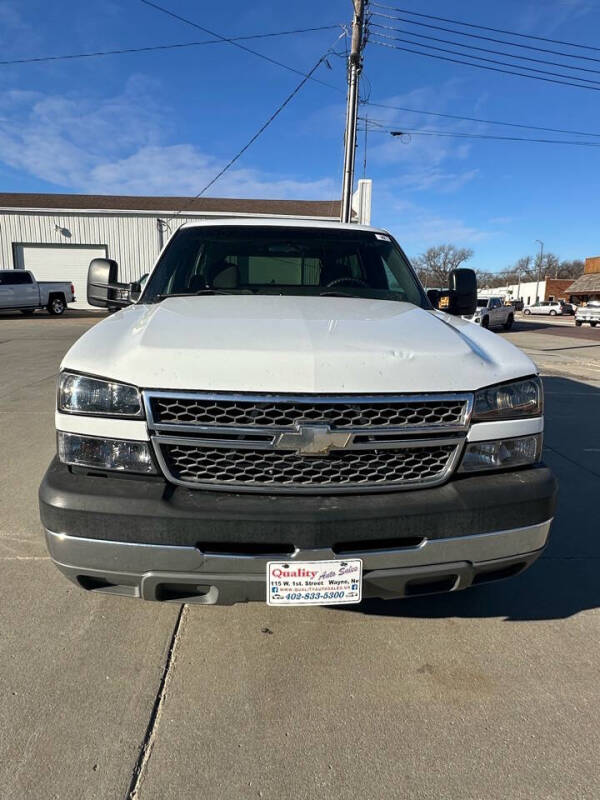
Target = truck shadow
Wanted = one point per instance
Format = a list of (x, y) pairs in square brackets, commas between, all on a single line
[(71, 313), (524, 324), (565, 580)]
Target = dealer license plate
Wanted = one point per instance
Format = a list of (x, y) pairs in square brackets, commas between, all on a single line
[(314, 583)]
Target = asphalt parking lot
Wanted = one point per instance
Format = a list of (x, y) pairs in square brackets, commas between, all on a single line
[(488, 693)]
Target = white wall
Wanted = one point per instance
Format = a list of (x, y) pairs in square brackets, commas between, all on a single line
[(132, 240), (525, 292)]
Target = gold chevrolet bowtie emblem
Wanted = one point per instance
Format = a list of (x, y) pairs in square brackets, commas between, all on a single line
[(312, 440)]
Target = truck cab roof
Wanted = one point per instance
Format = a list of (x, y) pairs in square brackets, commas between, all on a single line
[(283, 222)]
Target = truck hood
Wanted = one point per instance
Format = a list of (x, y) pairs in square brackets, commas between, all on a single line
[(294, 344)]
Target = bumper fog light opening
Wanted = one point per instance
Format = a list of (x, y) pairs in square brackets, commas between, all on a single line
[(118, 455), (502, 453)]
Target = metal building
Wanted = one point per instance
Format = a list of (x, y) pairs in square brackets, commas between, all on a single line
[(57, 235)]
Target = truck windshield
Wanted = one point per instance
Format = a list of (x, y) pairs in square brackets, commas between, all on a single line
[(282, 260)]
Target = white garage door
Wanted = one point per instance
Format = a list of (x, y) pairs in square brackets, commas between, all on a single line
[(60, 263)]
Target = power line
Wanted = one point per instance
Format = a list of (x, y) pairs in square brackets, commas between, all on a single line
[(236, 44), (488, 28), (482, 66), (457, 135), (489, 60), (164, 46), (477, 119), (484, 38), (481, 49), (251, 141)]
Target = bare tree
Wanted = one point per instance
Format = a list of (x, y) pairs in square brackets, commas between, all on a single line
[(434, 265), (570, 269), (551, 267), (491, 280)]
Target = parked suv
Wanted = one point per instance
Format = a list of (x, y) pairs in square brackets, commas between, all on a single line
[(550, 307), (568, 308), (282, 415)]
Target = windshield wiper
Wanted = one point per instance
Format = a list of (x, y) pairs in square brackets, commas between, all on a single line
[(333, 293), (160, 297)]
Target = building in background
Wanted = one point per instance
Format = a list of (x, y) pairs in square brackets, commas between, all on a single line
[(57, 235), (547, 289), (587, 286)]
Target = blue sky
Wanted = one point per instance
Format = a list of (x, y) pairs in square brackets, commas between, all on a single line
[(166, 122)]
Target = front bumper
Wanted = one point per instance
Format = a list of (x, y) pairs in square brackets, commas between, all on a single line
[(186, 575), (146, 538)]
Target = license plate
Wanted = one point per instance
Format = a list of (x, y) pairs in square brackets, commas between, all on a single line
[(314, 583)]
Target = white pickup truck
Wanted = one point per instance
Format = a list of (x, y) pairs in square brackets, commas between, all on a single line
[(589, 313), (19, 291), (491, 312), (282, 415)]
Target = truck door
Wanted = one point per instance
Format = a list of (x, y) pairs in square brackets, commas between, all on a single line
[(26, 290), (7, 289), (17, 289), (495, 310)]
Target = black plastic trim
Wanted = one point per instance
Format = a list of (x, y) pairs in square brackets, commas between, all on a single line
[(154, 512)]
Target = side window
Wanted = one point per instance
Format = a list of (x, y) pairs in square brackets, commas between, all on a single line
[(14, 277), (392, 280)]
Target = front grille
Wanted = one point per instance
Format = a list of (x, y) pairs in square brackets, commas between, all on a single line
[(307, 443), (236, 467), (376, 412)]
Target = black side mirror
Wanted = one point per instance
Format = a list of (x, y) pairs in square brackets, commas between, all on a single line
[(434, 296), (103, 289), (135, 290), (462, 286)]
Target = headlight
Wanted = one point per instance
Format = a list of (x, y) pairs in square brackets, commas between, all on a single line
[(109, 454), (502, 454), (79, 394), (524, 398)]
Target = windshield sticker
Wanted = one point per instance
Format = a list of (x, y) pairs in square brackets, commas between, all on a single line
[(382, 237)]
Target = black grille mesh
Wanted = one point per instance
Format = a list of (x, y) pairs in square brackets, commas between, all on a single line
[(247, 467), (186, 411)]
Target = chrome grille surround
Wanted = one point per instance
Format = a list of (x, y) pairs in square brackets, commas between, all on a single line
[(317, 450)]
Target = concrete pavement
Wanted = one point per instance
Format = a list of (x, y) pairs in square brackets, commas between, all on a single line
[(488, 693), (558, 347), (80, 672)]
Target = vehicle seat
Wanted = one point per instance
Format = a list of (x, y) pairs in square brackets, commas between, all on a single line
[(223, 275), (333, 271), (220, 275)]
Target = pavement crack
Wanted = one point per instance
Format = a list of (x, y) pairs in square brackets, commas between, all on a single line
[(150, 734), (572, 460)]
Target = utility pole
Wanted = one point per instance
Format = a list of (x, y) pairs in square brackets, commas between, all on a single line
[(354, 68), (537, 283)]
